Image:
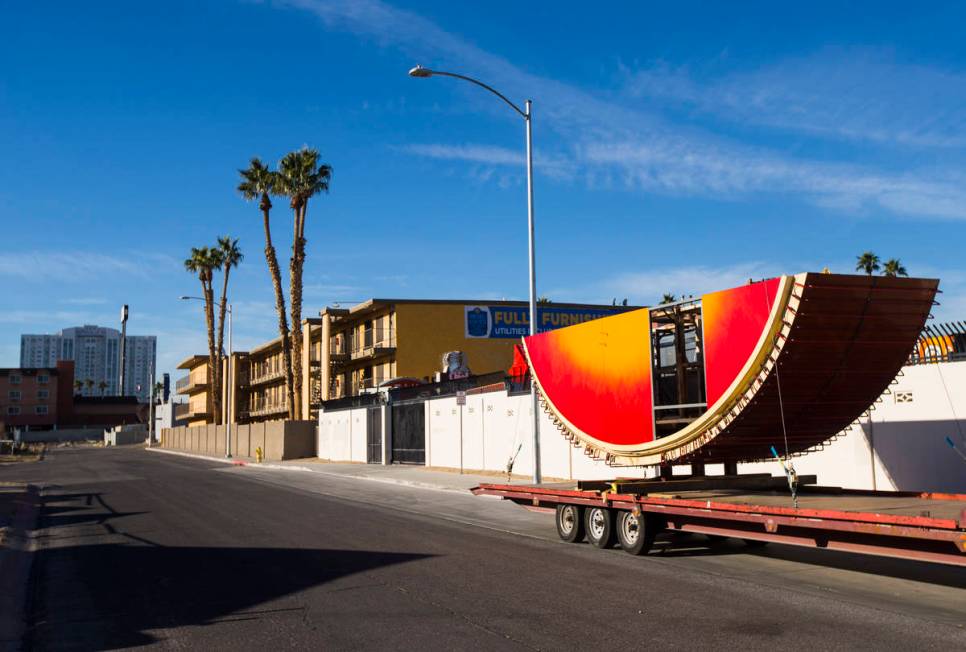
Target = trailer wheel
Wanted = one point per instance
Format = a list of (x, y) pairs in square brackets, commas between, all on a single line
[(599, 523), (570, 523), (636, 534)]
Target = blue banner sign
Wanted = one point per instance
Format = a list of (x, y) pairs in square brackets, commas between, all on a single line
[(514, 321)]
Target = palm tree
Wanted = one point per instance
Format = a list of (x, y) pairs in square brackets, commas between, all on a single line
[(868, 262), (300, 177), (203, 261), (158, 392), (78, 386), (231, 255), (893, 267), (544, 301), (102, 386), (89, 384), (668, 298), (258, 182)]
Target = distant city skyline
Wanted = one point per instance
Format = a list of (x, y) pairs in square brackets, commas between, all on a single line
[(681, 148), (95, 351)]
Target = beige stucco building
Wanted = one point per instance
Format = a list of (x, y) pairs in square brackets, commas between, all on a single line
[(348, 351)]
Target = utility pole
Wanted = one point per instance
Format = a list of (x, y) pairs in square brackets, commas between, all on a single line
[(151, 414), (122, 351)]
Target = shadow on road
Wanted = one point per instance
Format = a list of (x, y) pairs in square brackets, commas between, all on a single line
[(688, 545), (109, 595)]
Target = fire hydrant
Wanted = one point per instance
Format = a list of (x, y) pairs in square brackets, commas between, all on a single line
[(258, 455)]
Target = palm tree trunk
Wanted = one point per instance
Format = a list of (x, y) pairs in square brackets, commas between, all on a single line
[(210, 324), (272, 259), (295, 290), (219, 379)]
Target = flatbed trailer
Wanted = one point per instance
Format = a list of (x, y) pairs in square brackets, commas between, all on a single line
[(920, 526)]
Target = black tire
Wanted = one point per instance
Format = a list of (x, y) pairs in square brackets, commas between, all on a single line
[(570, 523), (599, 526), (636, 534), (755, 543)]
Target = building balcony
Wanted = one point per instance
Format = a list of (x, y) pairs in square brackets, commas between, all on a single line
[(367, 384), (189, 385), (371, 343), (193, 414), (267, 377), (263, 410)]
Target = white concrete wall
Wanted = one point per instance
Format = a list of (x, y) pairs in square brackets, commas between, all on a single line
[(903, 447), (342, 435), (909, 439)]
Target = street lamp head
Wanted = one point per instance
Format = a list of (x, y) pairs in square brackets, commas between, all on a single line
[(184, 297), (421, 72)]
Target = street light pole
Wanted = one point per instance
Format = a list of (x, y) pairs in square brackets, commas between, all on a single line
[(230, 389), (527, 114)]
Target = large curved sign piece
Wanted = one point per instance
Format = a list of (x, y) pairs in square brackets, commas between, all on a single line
[(787, 362)]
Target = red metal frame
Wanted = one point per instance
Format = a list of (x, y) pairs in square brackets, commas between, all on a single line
[(923, 538)]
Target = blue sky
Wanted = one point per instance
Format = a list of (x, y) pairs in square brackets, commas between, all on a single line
[(679, 149)]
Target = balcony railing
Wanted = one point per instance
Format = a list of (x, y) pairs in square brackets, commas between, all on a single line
[(187, 384), (371, 342), (259, 376), (338, 348), (263, 408), (940, 343), (367, 384)]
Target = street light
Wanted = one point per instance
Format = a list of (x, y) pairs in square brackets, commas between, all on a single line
[(230, 386), (526, 113)]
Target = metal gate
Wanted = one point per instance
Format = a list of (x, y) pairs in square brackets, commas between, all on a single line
[(409, 433), (374, 436)]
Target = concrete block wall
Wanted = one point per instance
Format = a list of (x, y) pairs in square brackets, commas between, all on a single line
[(279, 440)]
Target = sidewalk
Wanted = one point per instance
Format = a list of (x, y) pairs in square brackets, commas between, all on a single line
[(399, 474)]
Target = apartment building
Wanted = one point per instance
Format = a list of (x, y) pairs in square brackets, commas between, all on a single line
[(349, 351), (28, 397), (95, 351)]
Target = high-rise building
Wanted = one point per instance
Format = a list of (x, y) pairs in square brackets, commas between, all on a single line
[(95, 351)]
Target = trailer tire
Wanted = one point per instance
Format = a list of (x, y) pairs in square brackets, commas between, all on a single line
[(599, 525), (636, 534), (570, 523)]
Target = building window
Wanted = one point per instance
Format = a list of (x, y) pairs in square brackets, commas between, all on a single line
[(13, 410), (43, 393), (14, 379), (40, 409), (14, 394), (43, 379)]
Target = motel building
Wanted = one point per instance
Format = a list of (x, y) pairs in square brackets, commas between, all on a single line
[(347, 351)]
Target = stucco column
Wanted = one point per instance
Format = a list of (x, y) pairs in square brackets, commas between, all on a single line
[(306, 369), (324, 357)]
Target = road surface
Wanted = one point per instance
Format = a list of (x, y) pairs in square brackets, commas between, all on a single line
[(143, 548)]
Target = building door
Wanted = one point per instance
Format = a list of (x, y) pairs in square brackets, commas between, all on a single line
[(409, 433), (374, 436)]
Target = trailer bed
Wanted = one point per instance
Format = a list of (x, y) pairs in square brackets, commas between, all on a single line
[(921, 526)]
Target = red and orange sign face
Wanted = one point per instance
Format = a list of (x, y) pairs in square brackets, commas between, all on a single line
[(733, 323), (597, 375)]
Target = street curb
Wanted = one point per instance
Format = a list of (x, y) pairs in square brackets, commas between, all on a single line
[(16, 558), (286, 467)]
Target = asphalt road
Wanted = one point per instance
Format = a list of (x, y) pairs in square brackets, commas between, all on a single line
[(139, 548)]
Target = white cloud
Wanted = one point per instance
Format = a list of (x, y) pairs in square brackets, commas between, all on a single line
[(68, 266), (618, 141), (646, 287), (847, 94)]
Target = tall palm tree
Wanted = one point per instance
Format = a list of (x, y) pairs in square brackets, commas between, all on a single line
[(894, 267), (668, 298), (78, 386), (89, 384), (300, 177), (231, 255), (868, 262), (258, 182), (102, 386), (203, 261)]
